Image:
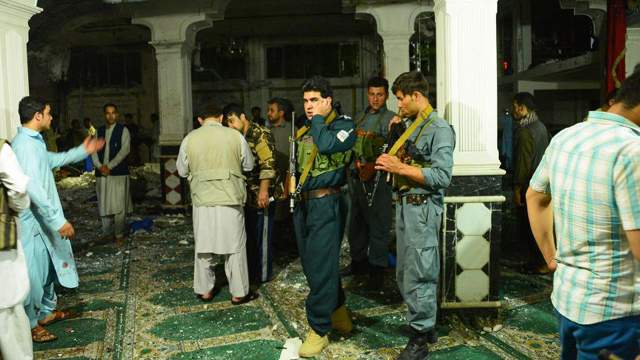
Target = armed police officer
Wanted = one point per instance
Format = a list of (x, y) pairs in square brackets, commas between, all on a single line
[(262, 185), (421, 170), (324, 145), (370, 215)]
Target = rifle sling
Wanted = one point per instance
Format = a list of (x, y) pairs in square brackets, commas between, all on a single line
[(424, 116)]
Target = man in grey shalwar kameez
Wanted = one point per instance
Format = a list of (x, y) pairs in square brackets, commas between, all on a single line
[(112, 177), (213, 158)]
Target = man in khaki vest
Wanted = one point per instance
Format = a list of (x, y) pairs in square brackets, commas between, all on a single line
[(213, 158)]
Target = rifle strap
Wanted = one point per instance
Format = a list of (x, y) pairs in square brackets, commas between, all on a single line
[(307, 167), (423, 116)]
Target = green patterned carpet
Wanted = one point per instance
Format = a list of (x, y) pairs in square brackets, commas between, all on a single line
[(137, 302)]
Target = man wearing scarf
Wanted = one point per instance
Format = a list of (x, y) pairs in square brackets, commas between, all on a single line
[(531, 140)]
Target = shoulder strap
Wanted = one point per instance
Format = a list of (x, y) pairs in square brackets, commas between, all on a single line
[(314, 152), (411, 129), (364, 114), (303, 130)]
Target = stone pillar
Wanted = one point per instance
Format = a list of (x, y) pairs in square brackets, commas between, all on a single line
[(467, 98), (396, 25), (173, 38), (632, 58), (14, 79)]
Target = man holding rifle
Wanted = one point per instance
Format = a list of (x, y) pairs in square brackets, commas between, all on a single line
[(421, 162), (370, 215), (324, 145)]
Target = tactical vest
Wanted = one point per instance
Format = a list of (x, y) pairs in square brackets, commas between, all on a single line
[(215, 155), (115, 144), (403, 183), (8, 229), (321, 163), (369, 144)]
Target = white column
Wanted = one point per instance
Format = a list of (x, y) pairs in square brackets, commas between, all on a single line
[(173, 38), (467, 82), (632, 58), (396, 25), (14, 78)]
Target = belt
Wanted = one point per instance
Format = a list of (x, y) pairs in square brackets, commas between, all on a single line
[(416, 199), (318, 193)]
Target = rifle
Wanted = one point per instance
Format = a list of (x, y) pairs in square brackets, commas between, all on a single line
[(292, 165), (394, 134)]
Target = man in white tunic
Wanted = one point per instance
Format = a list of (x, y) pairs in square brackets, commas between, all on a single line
[(15, 338), (112, 177), (213, 158)]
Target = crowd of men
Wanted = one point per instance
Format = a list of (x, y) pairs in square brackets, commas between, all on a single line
[(585, 181), (238, 188)]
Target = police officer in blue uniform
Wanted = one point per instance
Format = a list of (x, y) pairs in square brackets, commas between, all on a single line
[(421, 162), (324, 145)]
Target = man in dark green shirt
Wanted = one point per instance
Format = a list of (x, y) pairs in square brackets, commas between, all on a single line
[(324, 145), (370, 195), (531, 140)]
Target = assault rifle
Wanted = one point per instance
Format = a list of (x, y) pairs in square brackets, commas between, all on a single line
[(394, 134)]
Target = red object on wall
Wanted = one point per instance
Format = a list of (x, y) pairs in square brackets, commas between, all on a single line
[(616, 44)]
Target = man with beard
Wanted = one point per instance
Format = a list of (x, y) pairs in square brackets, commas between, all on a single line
[(263, 185), (112, 177), (45, 230), (531, 140)]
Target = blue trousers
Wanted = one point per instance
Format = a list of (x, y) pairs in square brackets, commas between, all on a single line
[(42, 299), (259, 242), (319, 225), (620, 336)]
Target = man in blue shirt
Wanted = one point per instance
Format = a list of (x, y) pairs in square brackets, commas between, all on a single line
[(45, 230)]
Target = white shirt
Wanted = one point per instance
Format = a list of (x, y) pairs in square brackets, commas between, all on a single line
[(14, 286)]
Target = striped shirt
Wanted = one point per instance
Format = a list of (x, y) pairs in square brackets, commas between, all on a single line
[(592, 172)]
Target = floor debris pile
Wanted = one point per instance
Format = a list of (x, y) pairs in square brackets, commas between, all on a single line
[(137, 301)]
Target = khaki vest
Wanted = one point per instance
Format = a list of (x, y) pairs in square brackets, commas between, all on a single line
[(8, 230), (214, 155)]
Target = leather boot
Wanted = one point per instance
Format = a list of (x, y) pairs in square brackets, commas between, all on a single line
[(313, 345), (355, 268), (408, 331), (376, 278), (417, 349)]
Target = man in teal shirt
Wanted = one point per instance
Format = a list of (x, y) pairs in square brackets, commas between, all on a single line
[(324, 145), (45, 231), (370, 195)]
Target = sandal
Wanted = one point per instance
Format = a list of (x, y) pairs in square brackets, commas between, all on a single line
[(250, 296), (215, 291), (41, 335), (59, 316)]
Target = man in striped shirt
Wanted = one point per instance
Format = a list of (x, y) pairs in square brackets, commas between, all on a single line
[(588, 186)]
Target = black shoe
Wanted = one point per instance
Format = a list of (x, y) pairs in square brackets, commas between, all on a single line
[(376, 278), (417, 349), (408, 331), (355, 268)]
